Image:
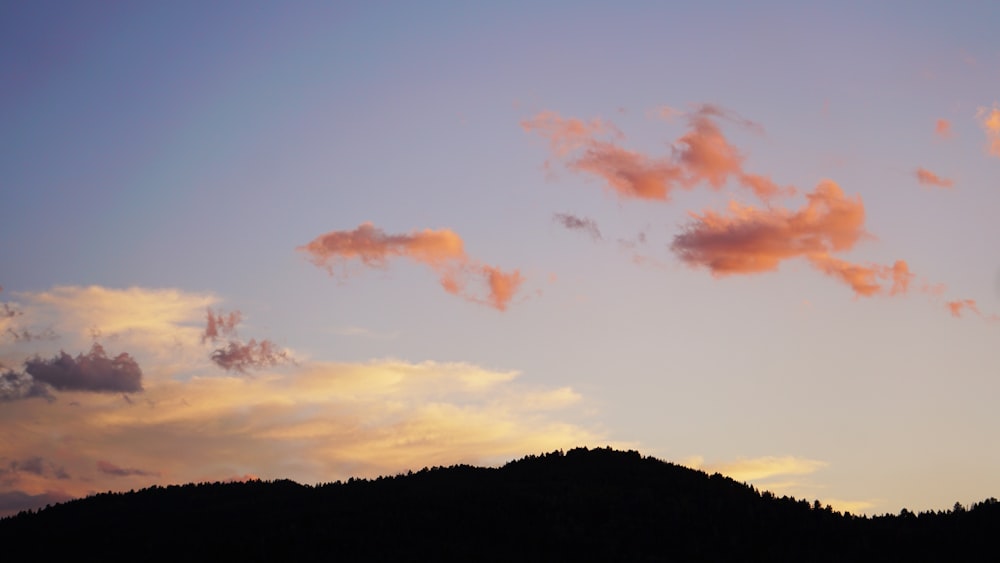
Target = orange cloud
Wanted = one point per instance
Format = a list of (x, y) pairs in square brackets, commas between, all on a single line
[(701, 155), (629, 173), (565, 135), (956, 307), (943, 129), (989, 119), (503, 286), (372, 246), (442, 250), (928, 178), (753, 240), (864, 280)]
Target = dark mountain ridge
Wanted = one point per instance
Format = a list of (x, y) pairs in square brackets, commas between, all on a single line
[(598, 504)]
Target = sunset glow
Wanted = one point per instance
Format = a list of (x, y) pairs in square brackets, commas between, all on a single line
[(322, 240)]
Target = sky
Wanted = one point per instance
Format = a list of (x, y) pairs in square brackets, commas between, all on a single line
[(317, 240)]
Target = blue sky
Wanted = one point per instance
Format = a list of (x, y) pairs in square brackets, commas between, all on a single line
[(164, 163)]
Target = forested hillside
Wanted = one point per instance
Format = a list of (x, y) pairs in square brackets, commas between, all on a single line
[(585, 504)]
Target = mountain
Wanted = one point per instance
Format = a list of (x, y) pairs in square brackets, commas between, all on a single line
[(589, 505)]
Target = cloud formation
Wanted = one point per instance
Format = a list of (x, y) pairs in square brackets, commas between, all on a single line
[(957, 307), (239, 356), (927, 178), (942, 128), (236, 355), (760, 468), (219, 324), (441, 250), (574, 223), (750, 240), (109, 468), (15, 386), (93, 372), (989, 119), (702, 155), (319, 422)]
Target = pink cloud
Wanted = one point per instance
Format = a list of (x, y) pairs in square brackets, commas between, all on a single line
[(751, 240), (441, 250), (942, 128), (220, 324), (956, 307), (237, 355), (989, 119), (702, 155), (927, 178)]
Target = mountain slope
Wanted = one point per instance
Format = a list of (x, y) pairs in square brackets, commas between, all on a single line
[(585, 504)]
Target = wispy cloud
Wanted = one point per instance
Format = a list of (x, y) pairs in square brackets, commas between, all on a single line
[(239, 356), (928, 178), (109, 468), (574, 223), (236, 355), (218, 325), (702, 155), (942, 128), (767, 467), (989, 119), (441, 250), (958, 306)]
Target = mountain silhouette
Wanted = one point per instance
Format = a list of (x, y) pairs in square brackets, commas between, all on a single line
[(587, 505)]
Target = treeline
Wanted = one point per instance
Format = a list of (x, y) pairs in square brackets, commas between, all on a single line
[(590, 505)]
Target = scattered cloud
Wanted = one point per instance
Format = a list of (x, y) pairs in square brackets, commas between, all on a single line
[(237, 356), (15, 386), (566, 135), (928, 178), (752, 240), (441, 250), (94, 372), (956, 307), (574, 223), (702, 155), (219, 324), (942, 128), (866, 280), (989, 119), (109, 468)]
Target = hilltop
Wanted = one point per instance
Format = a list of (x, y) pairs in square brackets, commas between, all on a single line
[(598, 504)]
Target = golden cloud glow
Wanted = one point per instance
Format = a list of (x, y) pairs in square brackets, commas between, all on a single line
[(320, 422), (767, 467), (989, 119)]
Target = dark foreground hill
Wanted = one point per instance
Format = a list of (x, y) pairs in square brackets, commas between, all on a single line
[(591, 505)]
